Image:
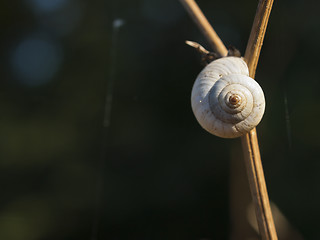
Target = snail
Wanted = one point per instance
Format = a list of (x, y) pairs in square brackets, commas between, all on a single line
[(225, 100)]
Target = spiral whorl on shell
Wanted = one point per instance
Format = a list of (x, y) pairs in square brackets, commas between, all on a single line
[(225, 100)]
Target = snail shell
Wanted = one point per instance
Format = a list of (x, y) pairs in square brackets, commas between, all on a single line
[(225, 100)]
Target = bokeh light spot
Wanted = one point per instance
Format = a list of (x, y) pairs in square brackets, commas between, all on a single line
[(117, 23), (36, 60)]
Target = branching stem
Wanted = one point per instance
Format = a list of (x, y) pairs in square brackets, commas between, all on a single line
[(249, 141), (200, 19)]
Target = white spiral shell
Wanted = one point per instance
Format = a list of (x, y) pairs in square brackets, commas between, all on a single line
[(225, 100)]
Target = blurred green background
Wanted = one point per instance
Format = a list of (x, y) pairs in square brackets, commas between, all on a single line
[(152, 173)]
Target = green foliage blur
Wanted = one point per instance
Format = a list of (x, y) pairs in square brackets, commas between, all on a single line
[(151, 172)]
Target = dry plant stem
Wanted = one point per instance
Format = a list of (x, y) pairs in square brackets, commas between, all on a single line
[(258, 30), (202, 22), (198, 47), (249, 141), (258, 185)]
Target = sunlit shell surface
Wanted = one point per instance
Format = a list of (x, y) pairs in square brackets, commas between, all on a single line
[(225, 100)]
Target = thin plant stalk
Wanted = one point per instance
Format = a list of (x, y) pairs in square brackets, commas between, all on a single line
[(249, 141), (202, 22), (258, 31)]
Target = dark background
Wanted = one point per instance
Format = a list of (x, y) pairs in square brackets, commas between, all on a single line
[(152, 172)]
